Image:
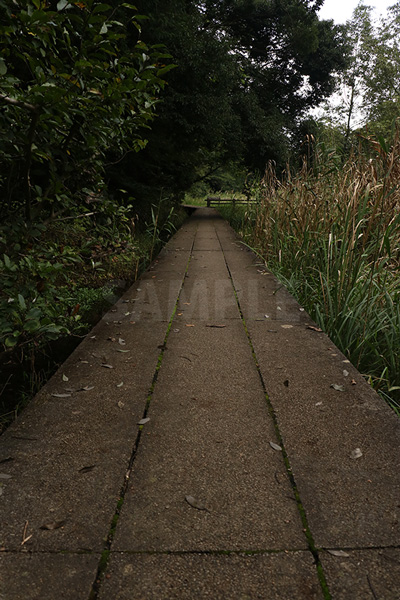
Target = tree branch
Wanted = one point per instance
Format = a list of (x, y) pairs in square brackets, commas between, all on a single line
[(15, 102)]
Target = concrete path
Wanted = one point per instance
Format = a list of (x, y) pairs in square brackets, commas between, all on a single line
[(251, 476)]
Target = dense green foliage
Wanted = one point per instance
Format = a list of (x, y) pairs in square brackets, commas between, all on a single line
[(76, 85), (72, 90)]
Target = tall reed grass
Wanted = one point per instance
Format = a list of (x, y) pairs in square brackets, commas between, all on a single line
[(332, 235)]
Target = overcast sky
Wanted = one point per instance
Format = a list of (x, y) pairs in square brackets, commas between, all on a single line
[(341, 10)]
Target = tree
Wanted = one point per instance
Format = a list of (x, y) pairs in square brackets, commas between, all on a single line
[(382, 80), (370, 85), (246, 72)]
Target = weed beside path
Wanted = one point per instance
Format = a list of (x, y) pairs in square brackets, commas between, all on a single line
[(332, 236)]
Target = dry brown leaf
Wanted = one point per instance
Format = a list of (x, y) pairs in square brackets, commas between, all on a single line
[(317, 329), (356, 454), (195, 503), (53, 525), (275, 446), (189, 325), (338, 553), (87, 469), (338, 388)]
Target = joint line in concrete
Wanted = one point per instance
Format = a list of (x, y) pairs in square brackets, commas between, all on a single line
[(310, 540), (103, 562)]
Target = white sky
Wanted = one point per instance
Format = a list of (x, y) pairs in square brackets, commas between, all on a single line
[(341, 10)]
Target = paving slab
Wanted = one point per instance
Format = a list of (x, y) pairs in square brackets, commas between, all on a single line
[(207, 293), (363, 574), (47, 576), (199, 577), (208, 437), (350, 502)]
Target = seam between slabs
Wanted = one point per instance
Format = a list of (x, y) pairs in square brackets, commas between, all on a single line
[(306, 528), (105, 554)]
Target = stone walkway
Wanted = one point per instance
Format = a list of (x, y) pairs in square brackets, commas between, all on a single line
[(250, 477)]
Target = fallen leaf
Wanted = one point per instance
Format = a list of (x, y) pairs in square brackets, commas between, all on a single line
[(353, 382), (318, 403), (338, 553), (107, 366), (275, 446), (53, 525), (87, 469), (121, 342), (317, 329), (87, 388), (345, 373), (176, 330), (338, 388), (356, 454), (266, 316), (144, 421), (65, 378), (287, 326), (120, 350), (195, 503), (120, 384), (189, 325), (62, 395)]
